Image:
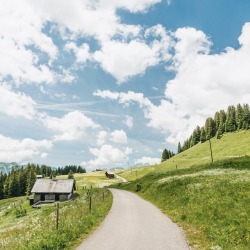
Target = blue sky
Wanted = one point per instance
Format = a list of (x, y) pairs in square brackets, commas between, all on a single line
[(112, 83)]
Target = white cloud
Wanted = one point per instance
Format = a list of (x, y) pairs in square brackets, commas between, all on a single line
[(131, 5), (82, 53), (129, 121), (124, 98), (119, 136), (71, 126), (101, 137), (147, 161), (27, 50), (204, 83), (21, 150), (21, 27), (108, 156), (16, 104), (44, 155), (115, 56)]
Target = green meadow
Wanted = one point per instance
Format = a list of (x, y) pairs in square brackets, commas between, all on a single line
[(24, 227), (209, 201)]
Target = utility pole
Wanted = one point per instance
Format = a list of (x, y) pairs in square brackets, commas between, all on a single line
[(211, 152)]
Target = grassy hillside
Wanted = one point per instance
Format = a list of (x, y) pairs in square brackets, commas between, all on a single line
[(210, 202), (23, 227), (230, 145)]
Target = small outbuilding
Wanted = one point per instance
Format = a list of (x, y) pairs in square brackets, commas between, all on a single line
[(51, 190), (110, 174)]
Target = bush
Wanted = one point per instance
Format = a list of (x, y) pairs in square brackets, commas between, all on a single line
[(138, 187), (20, 211)]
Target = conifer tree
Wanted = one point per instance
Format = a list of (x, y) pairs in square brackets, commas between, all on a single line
[(219, 132), (203, 135), (210, 128), (1, 186), (246, 116), (179, 150), (239, 117), (70, 174), (231, 119), (165, 155)]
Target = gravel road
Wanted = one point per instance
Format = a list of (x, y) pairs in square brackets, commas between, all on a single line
[(135, 224)]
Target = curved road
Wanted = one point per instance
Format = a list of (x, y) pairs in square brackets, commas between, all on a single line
[(135, 224)]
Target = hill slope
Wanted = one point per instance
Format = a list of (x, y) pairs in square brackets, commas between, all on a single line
[(210, 202), (230, 145)]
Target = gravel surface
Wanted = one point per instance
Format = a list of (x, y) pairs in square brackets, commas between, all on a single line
[(135, 224)]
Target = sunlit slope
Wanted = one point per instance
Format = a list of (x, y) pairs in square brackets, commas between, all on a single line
[(230, 145)]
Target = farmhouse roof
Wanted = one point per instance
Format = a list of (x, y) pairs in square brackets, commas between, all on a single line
[(53, 186)]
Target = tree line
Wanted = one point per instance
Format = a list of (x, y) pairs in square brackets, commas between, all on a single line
[(235, 119), (19, 182), (166, 154)]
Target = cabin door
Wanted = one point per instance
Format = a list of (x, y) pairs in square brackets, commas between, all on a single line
[(57, 197), (42, 197)]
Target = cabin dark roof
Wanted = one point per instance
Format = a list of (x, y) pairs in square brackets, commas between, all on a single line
[(53, 186)]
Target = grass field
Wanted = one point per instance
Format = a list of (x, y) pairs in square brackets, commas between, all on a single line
[(229, 146), (210, 202), (23, 227)]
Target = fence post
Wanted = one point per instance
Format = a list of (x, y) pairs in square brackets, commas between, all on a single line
[(90, 202), (57, 215)]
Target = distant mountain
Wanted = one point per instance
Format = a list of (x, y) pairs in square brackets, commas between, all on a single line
[(6, 167)]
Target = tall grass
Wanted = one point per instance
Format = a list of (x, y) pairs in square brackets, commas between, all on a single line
[(210, 202), (37, 230)]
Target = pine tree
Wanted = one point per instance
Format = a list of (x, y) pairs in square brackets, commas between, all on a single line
[(31, 178), (1, 186), (179, 150), (70, 174), (217, 120), (246, 116), (239, 117), (203, 135), (164, 155), (223, 117), (219, 132), (14, 188), (231, 119), (210, 128)]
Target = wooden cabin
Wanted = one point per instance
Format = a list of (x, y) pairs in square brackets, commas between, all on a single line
[(51, 190)]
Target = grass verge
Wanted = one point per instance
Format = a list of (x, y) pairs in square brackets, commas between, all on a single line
[(210, 202), (36, 229)]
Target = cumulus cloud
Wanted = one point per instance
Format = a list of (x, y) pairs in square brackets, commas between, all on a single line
[(28, 51), (147, 161), (108, 156), (21, 28), (115, 56), (119, 136), (129, 121), (204, 83), (124, 98), (101, 137), (71, 126), (82, 52), (16, 104), (21, 150)]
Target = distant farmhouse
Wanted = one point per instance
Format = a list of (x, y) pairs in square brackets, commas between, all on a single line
[(51, 190), (110, 174)]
